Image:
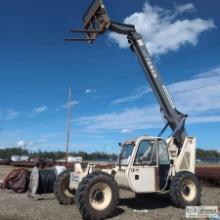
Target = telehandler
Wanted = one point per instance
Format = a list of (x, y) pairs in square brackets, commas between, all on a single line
[(145, 164)]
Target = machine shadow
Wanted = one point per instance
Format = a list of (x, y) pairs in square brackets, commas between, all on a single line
[(45, 199), (119, 211), (148, 201)]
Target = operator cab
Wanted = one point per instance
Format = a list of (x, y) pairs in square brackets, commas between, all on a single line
[(145, 160)]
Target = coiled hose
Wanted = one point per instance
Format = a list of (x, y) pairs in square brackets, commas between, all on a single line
[(42, 181), (46, 181)]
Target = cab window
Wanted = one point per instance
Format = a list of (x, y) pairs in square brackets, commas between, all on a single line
[(163, 153), (146, 154)]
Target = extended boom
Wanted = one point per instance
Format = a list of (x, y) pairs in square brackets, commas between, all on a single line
[(96, 22)]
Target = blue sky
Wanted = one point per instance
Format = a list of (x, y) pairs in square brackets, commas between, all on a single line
[(112, 100)]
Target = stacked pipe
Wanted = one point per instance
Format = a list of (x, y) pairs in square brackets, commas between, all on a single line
[(209, 174)]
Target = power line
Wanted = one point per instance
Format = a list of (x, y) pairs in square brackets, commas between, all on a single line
[(122, 77), (178, 92), (173, 82), (41, 120), (62, 111), (198, 88), (49, 103), (59, 97), (107, 82), (186, 55)]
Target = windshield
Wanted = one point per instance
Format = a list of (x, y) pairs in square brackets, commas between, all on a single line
[(125, 154)]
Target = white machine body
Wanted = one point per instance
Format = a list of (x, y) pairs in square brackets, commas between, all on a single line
[(145, 164)]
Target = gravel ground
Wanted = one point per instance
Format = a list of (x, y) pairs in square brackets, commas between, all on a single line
[(21, 207), (4, 170)]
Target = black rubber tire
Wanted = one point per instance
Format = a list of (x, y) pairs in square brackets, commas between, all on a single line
[(83, 192), (176, 189), (61, 184)]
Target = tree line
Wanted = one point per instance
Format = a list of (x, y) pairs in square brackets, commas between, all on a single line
[(207, 154), (97, 156)]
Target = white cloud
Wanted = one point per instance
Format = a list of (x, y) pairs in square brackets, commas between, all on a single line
[(88, 91), (211, 73), (210, 79), (185, 8), (9, 114), (52, 135), (125, 131), (204, 119), (198, 97), (9, 132), (38, 110), (72, 103), (21, 143), (131, 119), (162, 30), (138, 93), (42, 141)]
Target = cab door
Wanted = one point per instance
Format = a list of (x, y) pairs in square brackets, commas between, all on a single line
[(143, 170), (164, 163)]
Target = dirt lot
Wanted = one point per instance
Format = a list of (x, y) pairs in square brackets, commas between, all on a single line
[(20, 207)]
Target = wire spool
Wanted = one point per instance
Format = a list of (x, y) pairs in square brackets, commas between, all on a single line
[(42, 181)]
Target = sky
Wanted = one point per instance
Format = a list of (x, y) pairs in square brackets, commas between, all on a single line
[(111, 98)]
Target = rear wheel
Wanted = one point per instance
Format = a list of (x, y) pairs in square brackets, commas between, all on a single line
[(185, 189), (61, 189), (97, 196)]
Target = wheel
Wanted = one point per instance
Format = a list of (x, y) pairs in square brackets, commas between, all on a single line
[(185, 189), (97, 196), (61, 189)]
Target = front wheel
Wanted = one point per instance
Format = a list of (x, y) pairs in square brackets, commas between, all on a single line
[(97, 196), (61, 189), (185, 189)]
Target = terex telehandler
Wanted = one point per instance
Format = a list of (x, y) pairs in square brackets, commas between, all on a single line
[(145, 164)]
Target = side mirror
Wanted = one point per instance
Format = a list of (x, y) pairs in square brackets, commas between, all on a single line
[(119, 144)]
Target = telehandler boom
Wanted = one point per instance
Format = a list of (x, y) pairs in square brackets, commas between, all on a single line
[(145, 164)]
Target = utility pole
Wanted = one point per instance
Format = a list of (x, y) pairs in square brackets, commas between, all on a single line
[(69, 108)]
